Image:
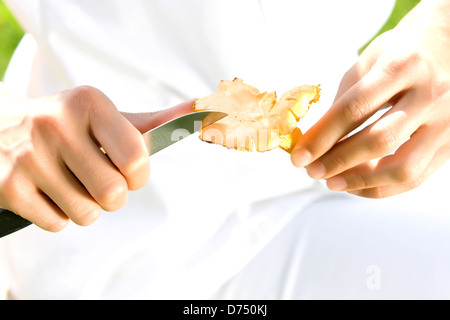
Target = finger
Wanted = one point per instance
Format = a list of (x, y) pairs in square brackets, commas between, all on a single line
[(375, 141), (405, 167), (350, 78), (103, 181), (350, 111), (122, 142), (60, 185), (391, 190), (144, 122), (37, 208)]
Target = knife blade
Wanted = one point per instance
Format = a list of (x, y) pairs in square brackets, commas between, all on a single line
[(173, 131), (156, 140)]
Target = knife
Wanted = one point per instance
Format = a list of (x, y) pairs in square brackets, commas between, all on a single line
[(156, 140)]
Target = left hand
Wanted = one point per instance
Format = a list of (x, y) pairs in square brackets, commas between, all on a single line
[(408, 70)]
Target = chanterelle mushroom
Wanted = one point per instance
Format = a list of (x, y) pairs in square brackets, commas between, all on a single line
[(256, 121)]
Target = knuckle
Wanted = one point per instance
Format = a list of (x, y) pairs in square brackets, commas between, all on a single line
[(31, 161), (382, 142), (395, 67), (27, 160), (134, 163), (45, 124), (84, 98), (405, 63), (412, 59), (82, 95), (136, 169), (113, 196), (88, 217), (362, 180), (355, 109), (415, 58), (56, 225), (47, 133), (407, 172), (337, 161)]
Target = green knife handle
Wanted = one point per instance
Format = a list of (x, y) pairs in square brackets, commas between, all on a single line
[(10, 223)]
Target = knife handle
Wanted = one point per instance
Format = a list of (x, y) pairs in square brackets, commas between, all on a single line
[(10, 223)]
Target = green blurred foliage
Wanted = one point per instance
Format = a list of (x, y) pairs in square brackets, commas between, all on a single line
[(10, 35), (401, 9)]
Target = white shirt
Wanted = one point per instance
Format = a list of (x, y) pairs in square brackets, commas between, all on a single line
[(206, 211)]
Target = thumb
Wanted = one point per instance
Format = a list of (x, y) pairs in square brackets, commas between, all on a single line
[(144, 122)]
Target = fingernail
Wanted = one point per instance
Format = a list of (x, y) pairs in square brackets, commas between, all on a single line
[(301, 158), (316, 170), (337, 184)]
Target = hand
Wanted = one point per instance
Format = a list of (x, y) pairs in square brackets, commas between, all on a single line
[(68, 156), (408, 71)]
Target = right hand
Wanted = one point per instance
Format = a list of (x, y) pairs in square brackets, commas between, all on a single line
[(68, 156)]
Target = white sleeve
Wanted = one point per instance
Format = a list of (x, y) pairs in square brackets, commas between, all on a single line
[(26, 12)]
